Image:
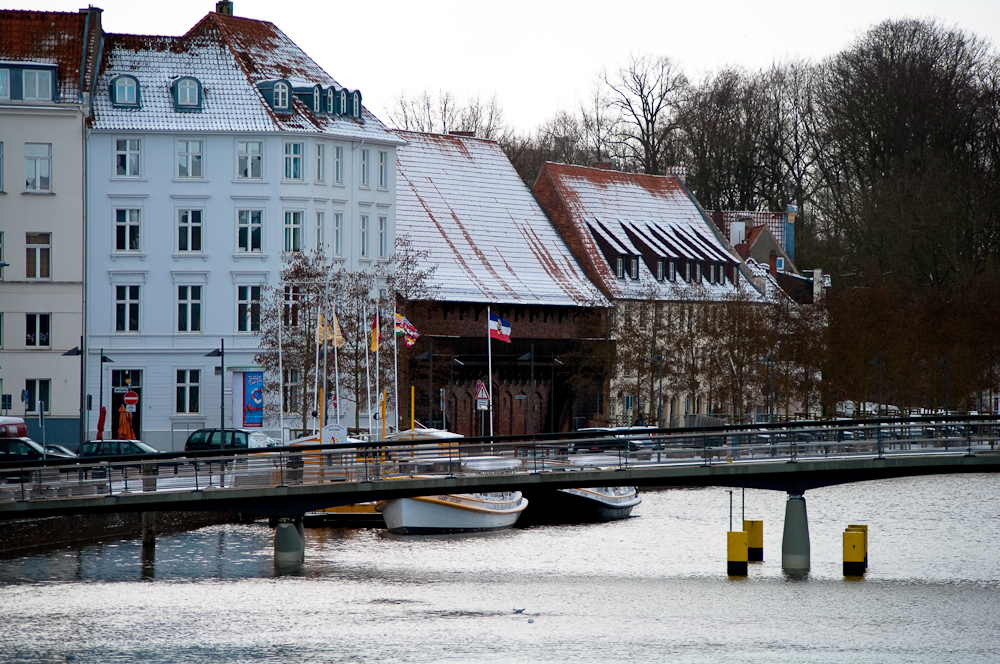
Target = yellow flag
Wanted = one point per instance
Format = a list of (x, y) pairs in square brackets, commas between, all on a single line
[(375, 333), (338, 336), (320, 324)]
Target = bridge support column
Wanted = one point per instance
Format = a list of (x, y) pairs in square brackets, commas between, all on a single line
[(289, 541), (149, 528), (795, 540)]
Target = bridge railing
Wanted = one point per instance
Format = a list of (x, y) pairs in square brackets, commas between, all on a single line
[(214, 471)]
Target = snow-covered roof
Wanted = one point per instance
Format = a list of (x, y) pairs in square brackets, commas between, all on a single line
[(229, 56), (461, 199), (648, 217)]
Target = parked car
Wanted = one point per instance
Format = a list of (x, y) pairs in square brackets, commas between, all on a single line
[(236, 439), (25, 449), (59, 449), (12, 427), (115, 447), (632, 435)]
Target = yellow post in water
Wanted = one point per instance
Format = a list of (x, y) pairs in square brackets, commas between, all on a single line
[(736, 553), (854, 552), (755, 540), (863, 528)]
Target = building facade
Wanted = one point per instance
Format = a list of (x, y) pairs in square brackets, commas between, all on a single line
[(47, 68), (213, 158)]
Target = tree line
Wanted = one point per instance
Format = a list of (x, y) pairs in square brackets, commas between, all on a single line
[(889, 148)]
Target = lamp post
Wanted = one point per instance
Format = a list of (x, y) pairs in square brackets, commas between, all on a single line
[(552, 394), (73, 352), (531, 399), (220, 352), (451, 385), (100, 398), (658, 358)]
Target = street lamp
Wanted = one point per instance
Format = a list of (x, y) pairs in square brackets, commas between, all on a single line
[(73, 352), (220, 352)]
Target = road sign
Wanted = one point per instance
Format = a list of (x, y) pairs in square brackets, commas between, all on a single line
[(481, 392), (130, 398), (482, 404), (129, 408)]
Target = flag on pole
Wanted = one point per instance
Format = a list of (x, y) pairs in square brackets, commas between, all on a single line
[(323, 331), (499, 328), (338, 335), (405, 329), (376, 334)]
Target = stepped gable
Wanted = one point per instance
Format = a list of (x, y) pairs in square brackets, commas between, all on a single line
[(460, 198)]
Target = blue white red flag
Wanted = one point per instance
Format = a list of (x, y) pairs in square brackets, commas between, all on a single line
[(499, 328)]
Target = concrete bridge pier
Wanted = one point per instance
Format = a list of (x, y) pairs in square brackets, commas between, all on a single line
[(795, 540), (289, 540)]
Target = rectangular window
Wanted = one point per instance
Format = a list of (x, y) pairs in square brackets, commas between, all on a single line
[(189, 308), (320, 162), (293, 232), (37, 255), (126, 230), (659, 270), (697, 273), (635, 268), (319, 231), (249, 160), (293, 161), (248, 309), (36, 330), (38, 393), (4, 84), (291, 391), (37, 166), (383, 237), (338, 165), (37, 84), (189, 230), (364, 168), (188, 391), (383, 170), (672, 270), (126, 308), (290, 308), (364, 236), (338, 234), (687, 271), (619, 267), (189, 158), (251, 225), (127, 157)]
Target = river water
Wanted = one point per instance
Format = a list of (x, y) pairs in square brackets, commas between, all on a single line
[(651, 588)]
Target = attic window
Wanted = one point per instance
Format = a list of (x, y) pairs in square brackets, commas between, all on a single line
[(619, 269), (697, 274), (317, 100), (343, 101), (356, 104), (687, 271), (187, 93), (659, 270), (329, 100), (125, 91), (635, 268), (672, 270), (37, 84), (4, 84), (281, 95)]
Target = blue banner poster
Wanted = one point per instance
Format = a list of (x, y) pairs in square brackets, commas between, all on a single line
[(253, 399)]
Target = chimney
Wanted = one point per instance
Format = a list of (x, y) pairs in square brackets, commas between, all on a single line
[(772, 261), (743, 249), (603, 165), (224, 7)]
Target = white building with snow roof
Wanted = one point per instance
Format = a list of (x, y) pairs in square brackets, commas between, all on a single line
[(211, 157)]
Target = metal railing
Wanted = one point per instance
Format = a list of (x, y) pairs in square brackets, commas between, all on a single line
[(565, 453)]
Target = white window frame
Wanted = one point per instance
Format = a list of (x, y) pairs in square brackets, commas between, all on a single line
[(672, 270), (34, 321), (329, 100), (41, 167), (281, 95), (320, 162), (383, 236), (247, 305), (37, 93), (383, 169), (780, 264), (338, 164), (364, 236), (126, 91), (188, 382), (4, 84), (364, 169), (293, 231), (620, 267), (246, 219), (634, 272), (343, 102), (659, 270), (190, 226), (338, 234), (131, 219), (190, 156), (128, 297), (128, 156), (42, 256), (317, 100), (189, 308), (185, 86), (294, 154), (247, 159), (320, 223), (355, 104)]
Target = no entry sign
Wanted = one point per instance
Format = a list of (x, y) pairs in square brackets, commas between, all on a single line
[(130, 398)]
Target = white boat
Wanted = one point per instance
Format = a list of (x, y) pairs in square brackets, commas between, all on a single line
[(593, 504), (450, 513)]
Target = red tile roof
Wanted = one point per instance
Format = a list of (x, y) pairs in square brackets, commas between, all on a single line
[(51, 38)]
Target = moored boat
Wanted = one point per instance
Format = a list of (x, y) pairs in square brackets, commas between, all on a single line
[(589, 505)]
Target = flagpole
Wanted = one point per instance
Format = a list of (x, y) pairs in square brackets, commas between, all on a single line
[(326, 337), (489, 353), (336, 363), (378, 342), (368, 378), (316, 365), (281, 374), (395, 365)]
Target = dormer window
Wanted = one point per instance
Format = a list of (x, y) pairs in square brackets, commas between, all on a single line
[(280, 95), (317, 100), (697, 274), (37, 85), (672, 270), (635, 268), (329, 100), (659, 270), (356, 104), (4, 84), (687, 271), (187, 94), (343, 101), (125, 91), (619, 268)]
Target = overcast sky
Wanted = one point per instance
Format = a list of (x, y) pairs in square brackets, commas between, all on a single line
[(539, 56)]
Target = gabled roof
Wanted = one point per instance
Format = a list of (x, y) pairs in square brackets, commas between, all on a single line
[(56, 38), (229, 55), (461, 199), (647, 215), (775, 222)]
